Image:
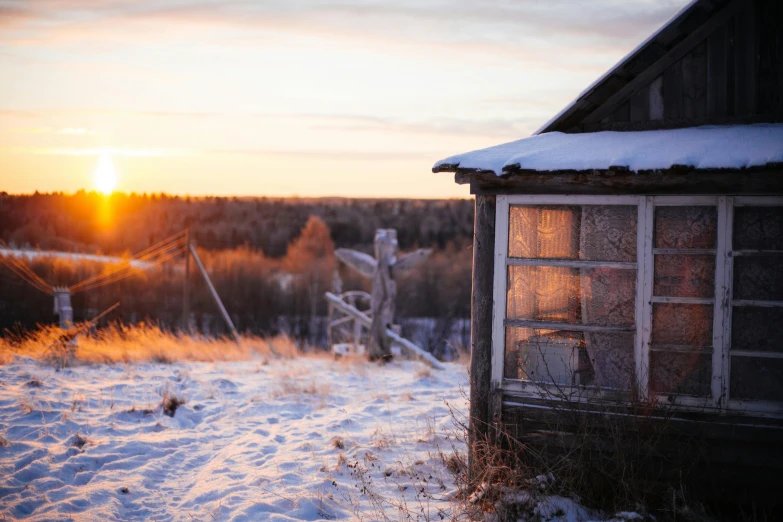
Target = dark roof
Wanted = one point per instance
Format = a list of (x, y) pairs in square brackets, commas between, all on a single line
[(664, 44)]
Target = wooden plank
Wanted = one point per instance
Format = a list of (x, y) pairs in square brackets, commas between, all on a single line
[(751, 302), (717, 80), (644, 293), (740, 253), (679, 123), (639, 105), (481, 320), (770, 65), (656, 99), (367, 322), (685, 251), (567, 327), (694, 80), (213, 292), (745, 182), (758, 201), (730, 67), (745, 62), (750, 353), (722, 301), (680, 348), (673, 107), (664, 63), (499, 289), (622, 114), (570, 263), (682, 300)]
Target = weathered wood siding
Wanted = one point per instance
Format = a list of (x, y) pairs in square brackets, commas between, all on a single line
[(727, 70), (481, 319), (729, 457)]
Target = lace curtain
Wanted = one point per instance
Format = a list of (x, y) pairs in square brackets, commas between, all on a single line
[(598, 296), (609, 295)]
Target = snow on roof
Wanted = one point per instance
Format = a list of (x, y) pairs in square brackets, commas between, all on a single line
[(709, 147)]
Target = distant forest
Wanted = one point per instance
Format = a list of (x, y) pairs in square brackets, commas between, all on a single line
[(270, 259)]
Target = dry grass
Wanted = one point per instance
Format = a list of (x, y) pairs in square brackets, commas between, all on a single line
[(140, 343)]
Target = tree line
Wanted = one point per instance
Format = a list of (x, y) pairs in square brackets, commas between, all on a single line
[(269, 259)]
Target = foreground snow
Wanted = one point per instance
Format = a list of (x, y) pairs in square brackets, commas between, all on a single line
[(301, 439)]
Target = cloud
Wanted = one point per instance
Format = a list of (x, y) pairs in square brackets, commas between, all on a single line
[(339, 155), (498, 127), (126, 152), (494, 23)]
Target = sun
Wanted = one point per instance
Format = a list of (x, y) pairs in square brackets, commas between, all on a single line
[(105, 175)]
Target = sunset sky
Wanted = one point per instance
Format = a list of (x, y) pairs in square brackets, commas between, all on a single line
[(290, 97)]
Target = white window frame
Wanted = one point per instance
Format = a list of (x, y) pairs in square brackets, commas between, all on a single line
[(719, 401)]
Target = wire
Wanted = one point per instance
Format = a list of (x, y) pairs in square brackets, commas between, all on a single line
[(32, 278), (142, 256), (24, 272), (117, 277), (149, 253), (122, 272), (24, 277)]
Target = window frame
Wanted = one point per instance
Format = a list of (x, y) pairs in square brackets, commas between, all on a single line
[(719, 399)]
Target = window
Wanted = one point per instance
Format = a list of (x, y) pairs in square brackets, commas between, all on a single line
[(756, 349), (672, 297), (684, 247)]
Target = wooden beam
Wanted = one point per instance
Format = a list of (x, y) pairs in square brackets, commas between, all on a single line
[(186, 287), (214, 293), (481, 323), (659, 67), (365, 320), (568, 327), (756, 181)]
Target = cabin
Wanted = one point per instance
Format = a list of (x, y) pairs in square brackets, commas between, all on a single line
[(629, 254)]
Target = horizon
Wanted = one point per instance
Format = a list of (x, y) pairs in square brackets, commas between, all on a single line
[(354, 100)]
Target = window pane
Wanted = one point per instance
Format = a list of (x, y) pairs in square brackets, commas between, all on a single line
[(758, 228), (681, 373), (570, 358), (756, 378), (684, 276), (601, 296), (609, 233), (682, 324), (756, 329), (544, 231), (591, 232), (758, 277), (544, 356), (686, 227)]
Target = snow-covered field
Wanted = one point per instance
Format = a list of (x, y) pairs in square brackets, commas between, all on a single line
[(270, 439)]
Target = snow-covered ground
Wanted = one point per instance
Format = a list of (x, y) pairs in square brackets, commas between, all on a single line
[(271, 439)]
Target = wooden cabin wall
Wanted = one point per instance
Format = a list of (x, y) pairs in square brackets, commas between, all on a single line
[(734, 75)]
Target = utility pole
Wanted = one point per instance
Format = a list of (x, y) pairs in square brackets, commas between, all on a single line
[(214, 293), (186, 286)]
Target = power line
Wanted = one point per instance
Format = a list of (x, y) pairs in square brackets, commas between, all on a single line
[(41, 284), (150, 253), (24, 277), (154, 255), (141, 256), (179, 249), (24, 272)]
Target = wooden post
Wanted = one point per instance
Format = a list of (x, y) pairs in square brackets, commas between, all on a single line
[(186, 287), (394, 336), (214, 293), (481, 324)]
